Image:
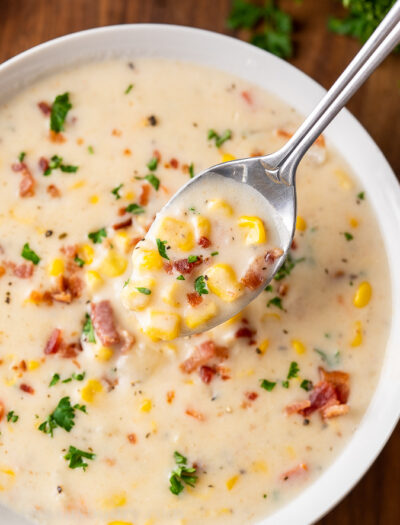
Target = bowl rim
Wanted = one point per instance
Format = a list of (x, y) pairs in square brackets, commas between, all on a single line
[(210, 48)]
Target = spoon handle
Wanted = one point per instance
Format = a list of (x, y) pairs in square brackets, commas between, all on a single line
[(283, 163)]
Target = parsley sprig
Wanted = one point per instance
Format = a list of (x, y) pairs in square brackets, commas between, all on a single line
[(162, 248), (97, 236), (56, 162), (219, 139), (200, 285), (28, 254), (59, 111), (181, 474), (63, 416), (287, 267), (88, 329), (76, 456)]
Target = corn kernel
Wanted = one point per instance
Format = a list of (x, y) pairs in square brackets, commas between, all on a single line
[(147, 259), (202, 226), (363, 295), (93, 280), (358, 336), (89, 391), (231, 482), (259, 466), (169, 294), (115, 500), (94, 199), (33, 365), (256, 231), (201, 314), (353, 222), (178, 234), (163, 325), (86, 253), (291, 452), (226, 157), (344, 180), (298, 346), (263, 346), (301, 224), (221, 205), (129, 196), (222, 282), (135, 300), (146, 405), (77, 184), (122, 241), (56, 267), (104, 353), (7, 478), (113, 264), (271, 315)]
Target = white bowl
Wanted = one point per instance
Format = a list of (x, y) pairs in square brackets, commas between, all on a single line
[(345, 133)]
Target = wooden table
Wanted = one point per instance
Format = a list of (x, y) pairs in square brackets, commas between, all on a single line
[(25, 23)]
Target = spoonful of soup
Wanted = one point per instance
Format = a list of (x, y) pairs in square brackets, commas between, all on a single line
[(226, 233)]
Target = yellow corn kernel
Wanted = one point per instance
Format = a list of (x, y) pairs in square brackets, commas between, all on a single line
[(201, 314), (271, 315), (114, 501), (104, 353), (169, 294), (147, 259), (301, 224), (56, 267), (202, 226), (231, 482), (298, 346), (178, 234), (77, 184), (7, 478), (291, 452), (233, 319), (363, 295), (10, 382), (94, 199), (129, 196), (344, 180), (221, 205), (259, 466), (86, 253), (118, 522), (256, 231), (146, 405), (113, 264), (222, 282), (121, 240), (33, 365), (93, 280), (163, 325), (226, 157), (89, 391), (353, 222), (358, 335), (263, 346), (134, 299)]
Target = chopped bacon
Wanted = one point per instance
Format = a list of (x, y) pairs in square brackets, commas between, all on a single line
[(132, 438), (18, 166), (168, 267), (184, 266), (70, 350), (121, 211), (144, 195), (174, 163), (194, 413), (71, 250), (340, 380), (251, 396), (293, 246), (194, 298), (26, 388), (53, 191), (322, 394), (111, 383), (45, 108), (247, 97), (43, 164), (54, 342), (301, 468), (297, 407), (255, 273), (27, 184), (202, 354), (2, 410), (284, 133), (334, 411), (123, 224), (244, 331), (127, 340), (56, 137), (170, 396), (2, 271), (272, 255), (103, 322), (157, 155), (23, 270), (204, 242), (283, 289), (206, 374)]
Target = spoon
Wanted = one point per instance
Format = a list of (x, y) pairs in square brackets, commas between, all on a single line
[(273, 175)]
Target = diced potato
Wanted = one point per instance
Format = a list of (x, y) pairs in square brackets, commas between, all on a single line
[(301, 224), (222, 282), (93, 280), (145, 259), (220, 205), (135, 300), (363, 295), (163, 325), (202, 226), (255, 229), (104, 353), (90, 390), (178, 234), (169, 294), (56, 267), (113, 265), (201, 314)]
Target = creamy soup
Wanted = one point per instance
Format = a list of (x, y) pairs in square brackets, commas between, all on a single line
[(100, 424)]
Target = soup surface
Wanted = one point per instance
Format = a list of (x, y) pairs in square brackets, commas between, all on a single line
[(99, 423)]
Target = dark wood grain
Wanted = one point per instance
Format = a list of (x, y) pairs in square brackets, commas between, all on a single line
[(25, 23)]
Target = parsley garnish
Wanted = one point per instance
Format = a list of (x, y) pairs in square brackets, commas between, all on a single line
[(293, 370), (275, 301), (77, 377), (12, 417), (181, 474), (152, 164), (75, 457), (59, 111), (62, 416), (134, 208), (329, 360), (200, 285), (115, 191), (214, 253), (54, 380), (191, 170), (80, 262), (154, 181), (88, 329), (128, 89), (285, 384), (29, 254), (348, 236), (219, 139), (361, 195), (21, 156), (306, 385), (268, 288), (192, 258), (287, 267), (180, 278), (161, 248), (145, 291), (56, 163), (90, 150), (267, 385), (97, 237)]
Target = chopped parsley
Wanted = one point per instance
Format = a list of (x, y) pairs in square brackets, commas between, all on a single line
[(293, 370), (54, 380), (29, 254), (219, 139), (275, 301), (287, 267), (191, 170), (115, 191), (97, 237), (88, 329), (192, 258), (348, 236), (285, 384), (145, 291), (267, 385), (306, 385), (161, 248), (180, 278), (59, 111), (214, 253), (80, 262), (76, 456), (128, 89), (90, 150), (331, 361), (63, 416), (361, 195), (181, 474), (153, 180), (152, 164), (56, 163), (77, 377), (21, 156), (200, 285), (268, 288), (134, 208), (12, 417)]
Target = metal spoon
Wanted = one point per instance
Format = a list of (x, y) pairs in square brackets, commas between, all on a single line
[(273, 175)]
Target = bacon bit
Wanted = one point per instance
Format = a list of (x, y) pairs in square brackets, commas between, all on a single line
[(338, 274), (174, 163), (194, 413), (301, 468), (185, 168), (128, 340), (45, 108), (284, 133), (335, 411), (121, 211), (53, 191), (43, 164), (27, 184), (38, 297), (320, 141), (111, 383), (80, 141), (170, 396), (124, 224), (54, 342), (194, 299), (322, 394), (244, 331), (255, 274), (157, 155), (340, 380), (204, 242), (296, 408), (247, 97), (26, 388), (71, 250), (70, 350), (251, 396), (2, 410), (127, 152), (116, 132), (144, 194), (2, 271), (103, 322), (272, 255), (133, 242), (23, 270), (294, 245), (132, 438), (168, 267), (224, 372), (283, 289), (18, 166), (256, 153), (184, 266), (206, 374), (58, 138), (202, 354)]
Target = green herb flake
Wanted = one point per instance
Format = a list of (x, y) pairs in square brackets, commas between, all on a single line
[(219, 139), (181, 474), (162, 249), (59, 111), (152, 164), (128, 89), (275, 301), (56, 163), (68, 168), (287, 267), (180, 278), (54, 380), (348, 236), (77, 377), (76, 457), (88, 329), (90, 150), (80, 262), (29, 254), (285, 384), (191, 170), (134, 208), (115, 191), (97, 237), (192, 258), (267, 385), (145, 291), (63, 416), (21, 156), (214, 253), (153, 180), (200, 285), (306, 385), (361, 196), (268, 288), (293, 370), (12, 417), (331, 361)]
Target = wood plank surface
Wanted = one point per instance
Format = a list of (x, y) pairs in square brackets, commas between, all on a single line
[(320, 54)]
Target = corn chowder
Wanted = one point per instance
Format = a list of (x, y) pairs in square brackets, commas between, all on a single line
[(102, 425)]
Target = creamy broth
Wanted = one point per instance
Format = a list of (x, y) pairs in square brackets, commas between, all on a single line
[(219, 398)]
